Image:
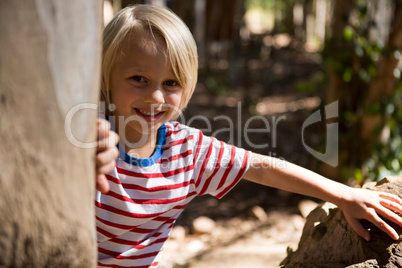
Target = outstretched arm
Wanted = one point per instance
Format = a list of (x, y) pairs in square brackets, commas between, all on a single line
[(357, 204), (106, 153)]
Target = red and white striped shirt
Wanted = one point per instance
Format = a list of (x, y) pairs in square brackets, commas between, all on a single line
[(147, 195)]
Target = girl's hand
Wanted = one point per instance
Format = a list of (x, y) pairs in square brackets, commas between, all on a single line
[(376, 207), (106, 154)]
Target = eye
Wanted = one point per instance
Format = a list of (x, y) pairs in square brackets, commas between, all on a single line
[(138, 78), (171, 83)]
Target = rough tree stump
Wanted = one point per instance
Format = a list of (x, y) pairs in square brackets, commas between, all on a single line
[(328, 240)]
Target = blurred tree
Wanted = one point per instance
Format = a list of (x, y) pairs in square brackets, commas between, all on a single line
[(217, 34), (284, 22), (214, 30), (49, 81), (125, 3), (383, 84), (186, 10), (361, 69), (337, 57), (363, 76)]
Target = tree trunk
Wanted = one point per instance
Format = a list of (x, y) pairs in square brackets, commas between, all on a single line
[(384, 83), (288, 20), (125, 3), (339, 90), (193, 15), (50, 60), (186, 11), (342, 10)]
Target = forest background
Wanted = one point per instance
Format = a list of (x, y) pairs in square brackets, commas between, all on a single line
[(347, 52), (270, 66)]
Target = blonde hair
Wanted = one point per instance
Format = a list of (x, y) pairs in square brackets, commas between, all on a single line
[(181, 48)]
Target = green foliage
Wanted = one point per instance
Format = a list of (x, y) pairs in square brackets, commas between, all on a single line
[(268, 4), (315, 83), (356, 44), (387, 151), (356, 63), (387, 156), (264, 4), (215, 80), (215, 85)]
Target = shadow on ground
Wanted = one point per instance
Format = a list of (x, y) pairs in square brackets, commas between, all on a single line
[(239, 238)]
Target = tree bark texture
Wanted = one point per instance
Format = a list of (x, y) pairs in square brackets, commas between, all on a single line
[(338, 90), (50, 60), (342, 10), (329, 241), (125, 3), (384, 83)]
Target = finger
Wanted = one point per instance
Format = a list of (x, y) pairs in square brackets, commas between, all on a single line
[(389, 207), (391, 202), (103, 127), (108, 142), (393, 217), (359, 229), (386, 228), (102, 158), (102, 184), (391, 197), (388, 212), (106, 168), (113, 138), (382, 225)]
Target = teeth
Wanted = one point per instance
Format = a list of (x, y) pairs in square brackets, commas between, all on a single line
[(148, 114)]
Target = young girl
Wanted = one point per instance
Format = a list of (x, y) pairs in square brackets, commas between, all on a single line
[(149, 74)]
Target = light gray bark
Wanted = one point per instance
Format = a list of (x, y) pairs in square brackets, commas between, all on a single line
[(50, 60)]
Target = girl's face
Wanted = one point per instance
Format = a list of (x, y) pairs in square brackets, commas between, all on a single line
[(144, 88)]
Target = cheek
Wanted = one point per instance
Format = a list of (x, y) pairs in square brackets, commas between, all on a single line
[(121, 103), (124, 95), (117, 99), (174, 99)]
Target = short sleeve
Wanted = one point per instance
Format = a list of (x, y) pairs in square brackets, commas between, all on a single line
[(219, 166)]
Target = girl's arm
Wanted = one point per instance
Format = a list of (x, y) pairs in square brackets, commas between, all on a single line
[(357, 204)]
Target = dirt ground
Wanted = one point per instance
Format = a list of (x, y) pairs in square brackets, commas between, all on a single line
[(241, 238), (237, 243)]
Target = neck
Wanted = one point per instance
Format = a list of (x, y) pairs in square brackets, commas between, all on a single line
[(139, 145)]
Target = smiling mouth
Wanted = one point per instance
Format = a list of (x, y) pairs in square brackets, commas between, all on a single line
[(150, 114)]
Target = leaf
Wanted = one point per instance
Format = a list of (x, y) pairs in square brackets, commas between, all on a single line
[(390, 108), (347, 75), (395, 165), (373, 109), (358, 175), (348, 33), (359, 51)]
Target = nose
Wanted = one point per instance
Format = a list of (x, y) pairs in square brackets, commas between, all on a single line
[(154, 95)]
